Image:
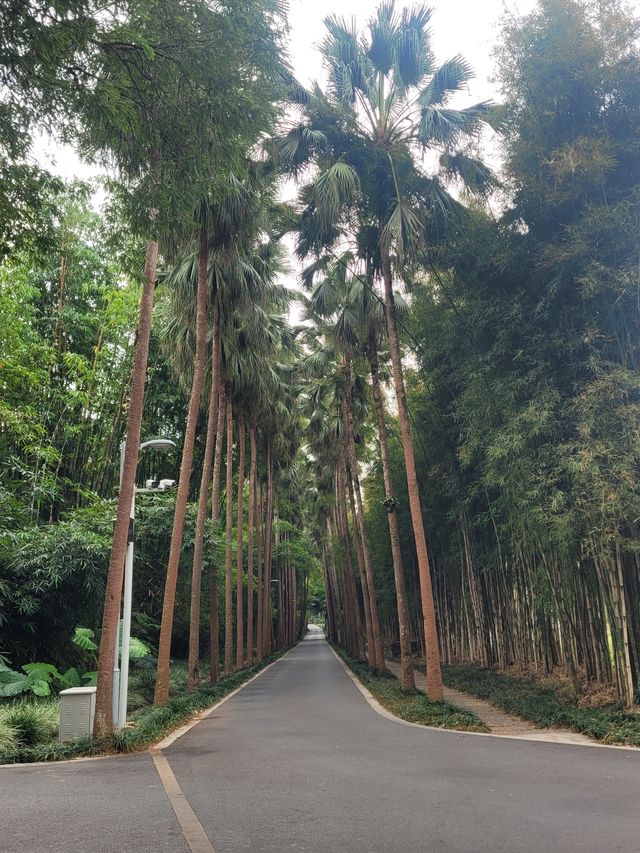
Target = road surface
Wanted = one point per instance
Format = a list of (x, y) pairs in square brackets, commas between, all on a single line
[(298, 761)]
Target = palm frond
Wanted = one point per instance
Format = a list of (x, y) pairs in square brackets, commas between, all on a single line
[(323, 299), (383, 35), (403, 230), (449, 78), (448, 127), (476, 177), (413, 54), (297, 147), (401, 304), (316, 363), (346, 61), (417, 17), (348, 327), (336, 186)]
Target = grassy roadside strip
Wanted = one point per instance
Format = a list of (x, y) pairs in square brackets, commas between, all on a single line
[(413, 707), (146, 727), (543, 703)]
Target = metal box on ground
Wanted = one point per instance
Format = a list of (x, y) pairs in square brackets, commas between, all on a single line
[(77, 709)]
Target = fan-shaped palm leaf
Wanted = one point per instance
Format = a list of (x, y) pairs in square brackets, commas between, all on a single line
[(447, 127), (449, 78), (403, 230)]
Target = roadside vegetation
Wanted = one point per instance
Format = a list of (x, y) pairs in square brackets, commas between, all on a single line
[(548, 702), (29, 729), (412, 705), (489, 516)]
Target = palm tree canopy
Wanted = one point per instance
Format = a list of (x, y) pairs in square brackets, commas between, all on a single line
[(385, 118)]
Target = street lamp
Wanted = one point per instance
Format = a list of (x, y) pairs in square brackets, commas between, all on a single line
[(121, 674)]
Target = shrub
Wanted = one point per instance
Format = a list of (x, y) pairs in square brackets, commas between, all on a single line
[(34, 723)]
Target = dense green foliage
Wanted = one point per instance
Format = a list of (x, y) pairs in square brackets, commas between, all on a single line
[(516, 299), (525, 400)]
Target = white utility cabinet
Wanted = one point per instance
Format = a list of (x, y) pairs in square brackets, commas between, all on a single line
[(77, 710)]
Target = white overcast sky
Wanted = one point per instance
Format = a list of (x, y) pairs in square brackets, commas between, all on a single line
[(469, 27)]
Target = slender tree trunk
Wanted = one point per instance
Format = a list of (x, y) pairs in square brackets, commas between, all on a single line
[(268, 535), (198, 547), (432, 652), (407, 680), (214, 653), (353, 464), (342, 527), (366, 605), (253, 476), (260, 603), (228, 579), (239, 554), (166, 627), (103, 721)]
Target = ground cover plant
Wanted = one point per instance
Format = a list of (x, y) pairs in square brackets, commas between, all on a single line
[(412, 705), (547, 704)]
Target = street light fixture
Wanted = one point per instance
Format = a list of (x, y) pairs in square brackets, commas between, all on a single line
[(121, 673)]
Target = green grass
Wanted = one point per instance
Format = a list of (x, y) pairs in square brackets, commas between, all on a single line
[(147, 725), (545, 704), (412, 706), (9, 740)]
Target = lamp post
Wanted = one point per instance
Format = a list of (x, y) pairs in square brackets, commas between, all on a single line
[(121, 684)]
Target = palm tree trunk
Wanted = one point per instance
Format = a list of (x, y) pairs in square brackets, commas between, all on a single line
[(198, 547), (371, 658), (239, 554), (253, 471), (103, 720), (432, 652), (407, 680), (214, 653), (228, 579), (259, 551), (266, 574), (166, 626), (342, 527), (353, 464)]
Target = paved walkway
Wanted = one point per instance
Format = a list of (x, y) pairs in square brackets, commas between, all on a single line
[(497, 720), (299, 761)]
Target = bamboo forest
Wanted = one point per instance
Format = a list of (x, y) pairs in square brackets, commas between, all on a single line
[(319, 373)]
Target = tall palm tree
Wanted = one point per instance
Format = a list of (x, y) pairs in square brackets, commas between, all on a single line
[(239, 537), (228, 560), (360, 318), (251, 528), (165, 168), (214, 649), (237, 269), (113, 590), (161, 694), (385, 104), (198, 548), (338, 334)]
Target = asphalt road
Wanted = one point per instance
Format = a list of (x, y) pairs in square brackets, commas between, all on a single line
[(299, 761)]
